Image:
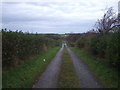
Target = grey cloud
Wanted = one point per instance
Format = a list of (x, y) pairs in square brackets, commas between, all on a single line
[(61, 17)]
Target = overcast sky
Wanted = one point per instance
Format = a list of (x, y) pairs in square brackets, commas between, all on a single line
[(54, 16)]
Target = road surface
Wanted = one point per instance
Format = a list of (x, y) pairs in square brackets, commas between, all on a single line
[(49, 77), (85, 77)]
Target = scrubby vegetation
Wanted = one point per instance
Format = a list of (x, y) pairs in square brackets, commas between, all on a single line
[(23, 54), (103, 46), (18, 46), (99, 48), (102, 42)]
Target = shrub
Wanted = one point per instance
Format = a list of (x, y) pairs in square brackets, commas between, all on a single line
[(103, 46), (112, 48), (16, 46), (93, 45), (81, 42)]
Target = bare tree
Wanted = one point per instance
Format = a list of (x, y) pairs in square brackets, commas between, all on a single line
[(108, 22)]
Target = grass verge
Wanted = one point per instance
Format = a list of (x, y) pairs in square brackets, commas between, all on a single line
[(67, 76), (108, 76), (23, 76)]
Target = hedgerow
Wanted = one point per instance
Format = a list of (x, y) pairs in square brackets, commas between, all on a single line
[(18, 46), (103, 46)]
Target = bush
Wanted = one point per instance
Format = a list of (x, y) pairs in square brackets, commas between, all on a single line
[(106, 46), (112, 48), (98, 45), (16, 46), (81, 42), (103, 46), (93, 45)]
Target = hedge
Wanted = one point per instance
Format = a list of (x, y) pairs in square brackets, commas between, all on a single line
[(17, 46)]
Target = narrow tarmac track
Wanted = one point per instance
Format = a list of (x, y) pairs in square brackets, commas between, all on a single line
[(49, 77), (85, 78)]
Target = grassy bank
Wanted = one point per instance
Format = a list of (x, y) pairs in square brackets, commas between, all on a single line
[(67, 76), (23, 76), (106, 74)]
